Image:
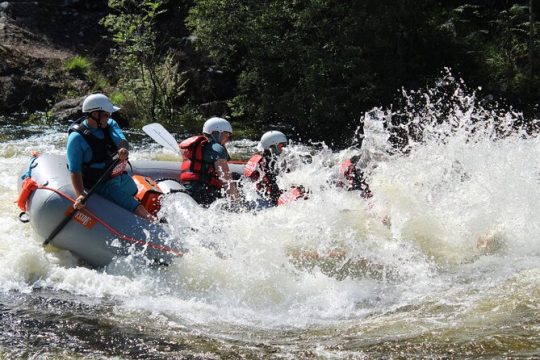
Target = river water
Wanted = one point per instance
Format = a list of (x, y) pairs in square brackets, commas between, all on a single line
[(332, 277)]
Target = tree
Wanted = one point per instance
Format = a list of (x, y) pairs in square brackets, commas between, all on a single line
[(502, 41), (150, 79), (317, 65)]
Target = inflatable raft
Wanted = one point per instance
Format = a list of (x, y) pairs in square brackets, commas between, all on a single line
[(102, 230)]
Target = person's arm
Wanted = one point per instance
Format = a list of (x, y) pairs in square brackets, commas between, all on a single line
[(224, 173), (119, 139), (75, 156), (77, 183)]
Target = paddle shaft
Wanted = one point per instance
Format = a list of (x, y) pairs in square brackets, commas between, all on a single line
[(69, 216)]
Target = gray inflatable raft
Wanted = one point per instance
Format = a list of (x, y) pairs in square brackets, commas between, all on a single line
[(103, 230)]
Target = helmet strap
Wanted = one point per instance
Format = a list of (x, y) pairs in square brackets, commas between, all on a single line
[(216, 138), (98, 119), (93, 118)]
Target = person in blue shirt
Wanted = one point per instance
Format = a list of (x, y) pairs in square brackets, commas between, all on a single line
[(92, 143), (204, 171)]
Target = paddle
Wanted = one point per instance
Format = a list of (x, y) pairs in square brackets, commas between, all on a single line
[(161, 136), (69, 216)]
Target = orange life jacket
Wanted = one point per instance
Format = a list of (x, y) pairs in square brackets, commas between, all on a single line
[(148, 193), (193, 167), (28, 187)]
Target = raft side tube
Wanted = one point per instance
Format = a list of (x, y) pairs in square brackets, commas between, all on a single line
[(98, 235)]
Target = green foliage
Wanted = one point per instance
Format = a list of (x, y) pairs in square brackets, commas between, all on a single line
[(118, 97), (99, 82), (188, 120), (316, 65), (150, 80), (79, 66), (41, 118), (84, 69), (504, 46), (312, 66)]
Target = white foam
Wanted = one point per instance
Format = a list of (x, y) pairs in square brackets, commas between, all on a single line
[(460, 181)]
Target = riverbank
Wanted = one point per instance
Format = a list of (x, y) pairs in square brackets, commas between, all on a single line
[(36, 41)]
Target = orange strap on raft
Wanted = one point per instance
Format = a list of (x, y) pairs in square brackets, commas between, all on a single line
[(148, 193), (28, 187), (294, 193)]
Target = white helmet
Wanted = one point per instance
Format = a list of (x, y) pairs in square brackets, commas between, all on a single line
[(216, 124), (98, 102), (271, 138)]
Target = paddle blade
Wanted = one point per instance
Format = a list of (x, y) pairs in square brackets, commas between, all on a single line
[(161, 136)]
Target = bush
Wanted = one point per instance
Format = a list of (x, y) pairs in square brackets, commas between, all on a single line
[(79, 66)]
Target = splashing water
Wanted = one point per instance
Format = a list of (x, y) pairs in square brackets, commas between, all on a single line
[(454, 271)]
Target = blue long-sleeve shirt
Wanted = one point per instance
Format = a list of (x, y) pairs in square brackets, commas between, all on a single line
[(78, 150)]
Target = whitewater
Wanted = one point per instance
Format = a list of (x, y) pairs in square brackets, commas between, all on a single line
[(442, 262)]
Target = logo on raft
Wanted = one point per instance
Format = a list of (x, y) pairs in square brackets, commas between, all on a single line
[(84, 219)]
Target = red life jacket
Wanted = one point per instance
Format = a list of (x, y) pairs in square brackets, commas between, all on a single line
[(347, 173), (193, 167)]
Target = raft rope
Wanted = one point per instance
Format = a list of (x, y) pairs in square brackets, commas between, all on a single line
[(113, 230), (32, 165)]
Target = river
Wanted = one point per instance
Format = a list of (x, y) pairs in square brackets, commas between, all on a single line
[(414, 286)]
